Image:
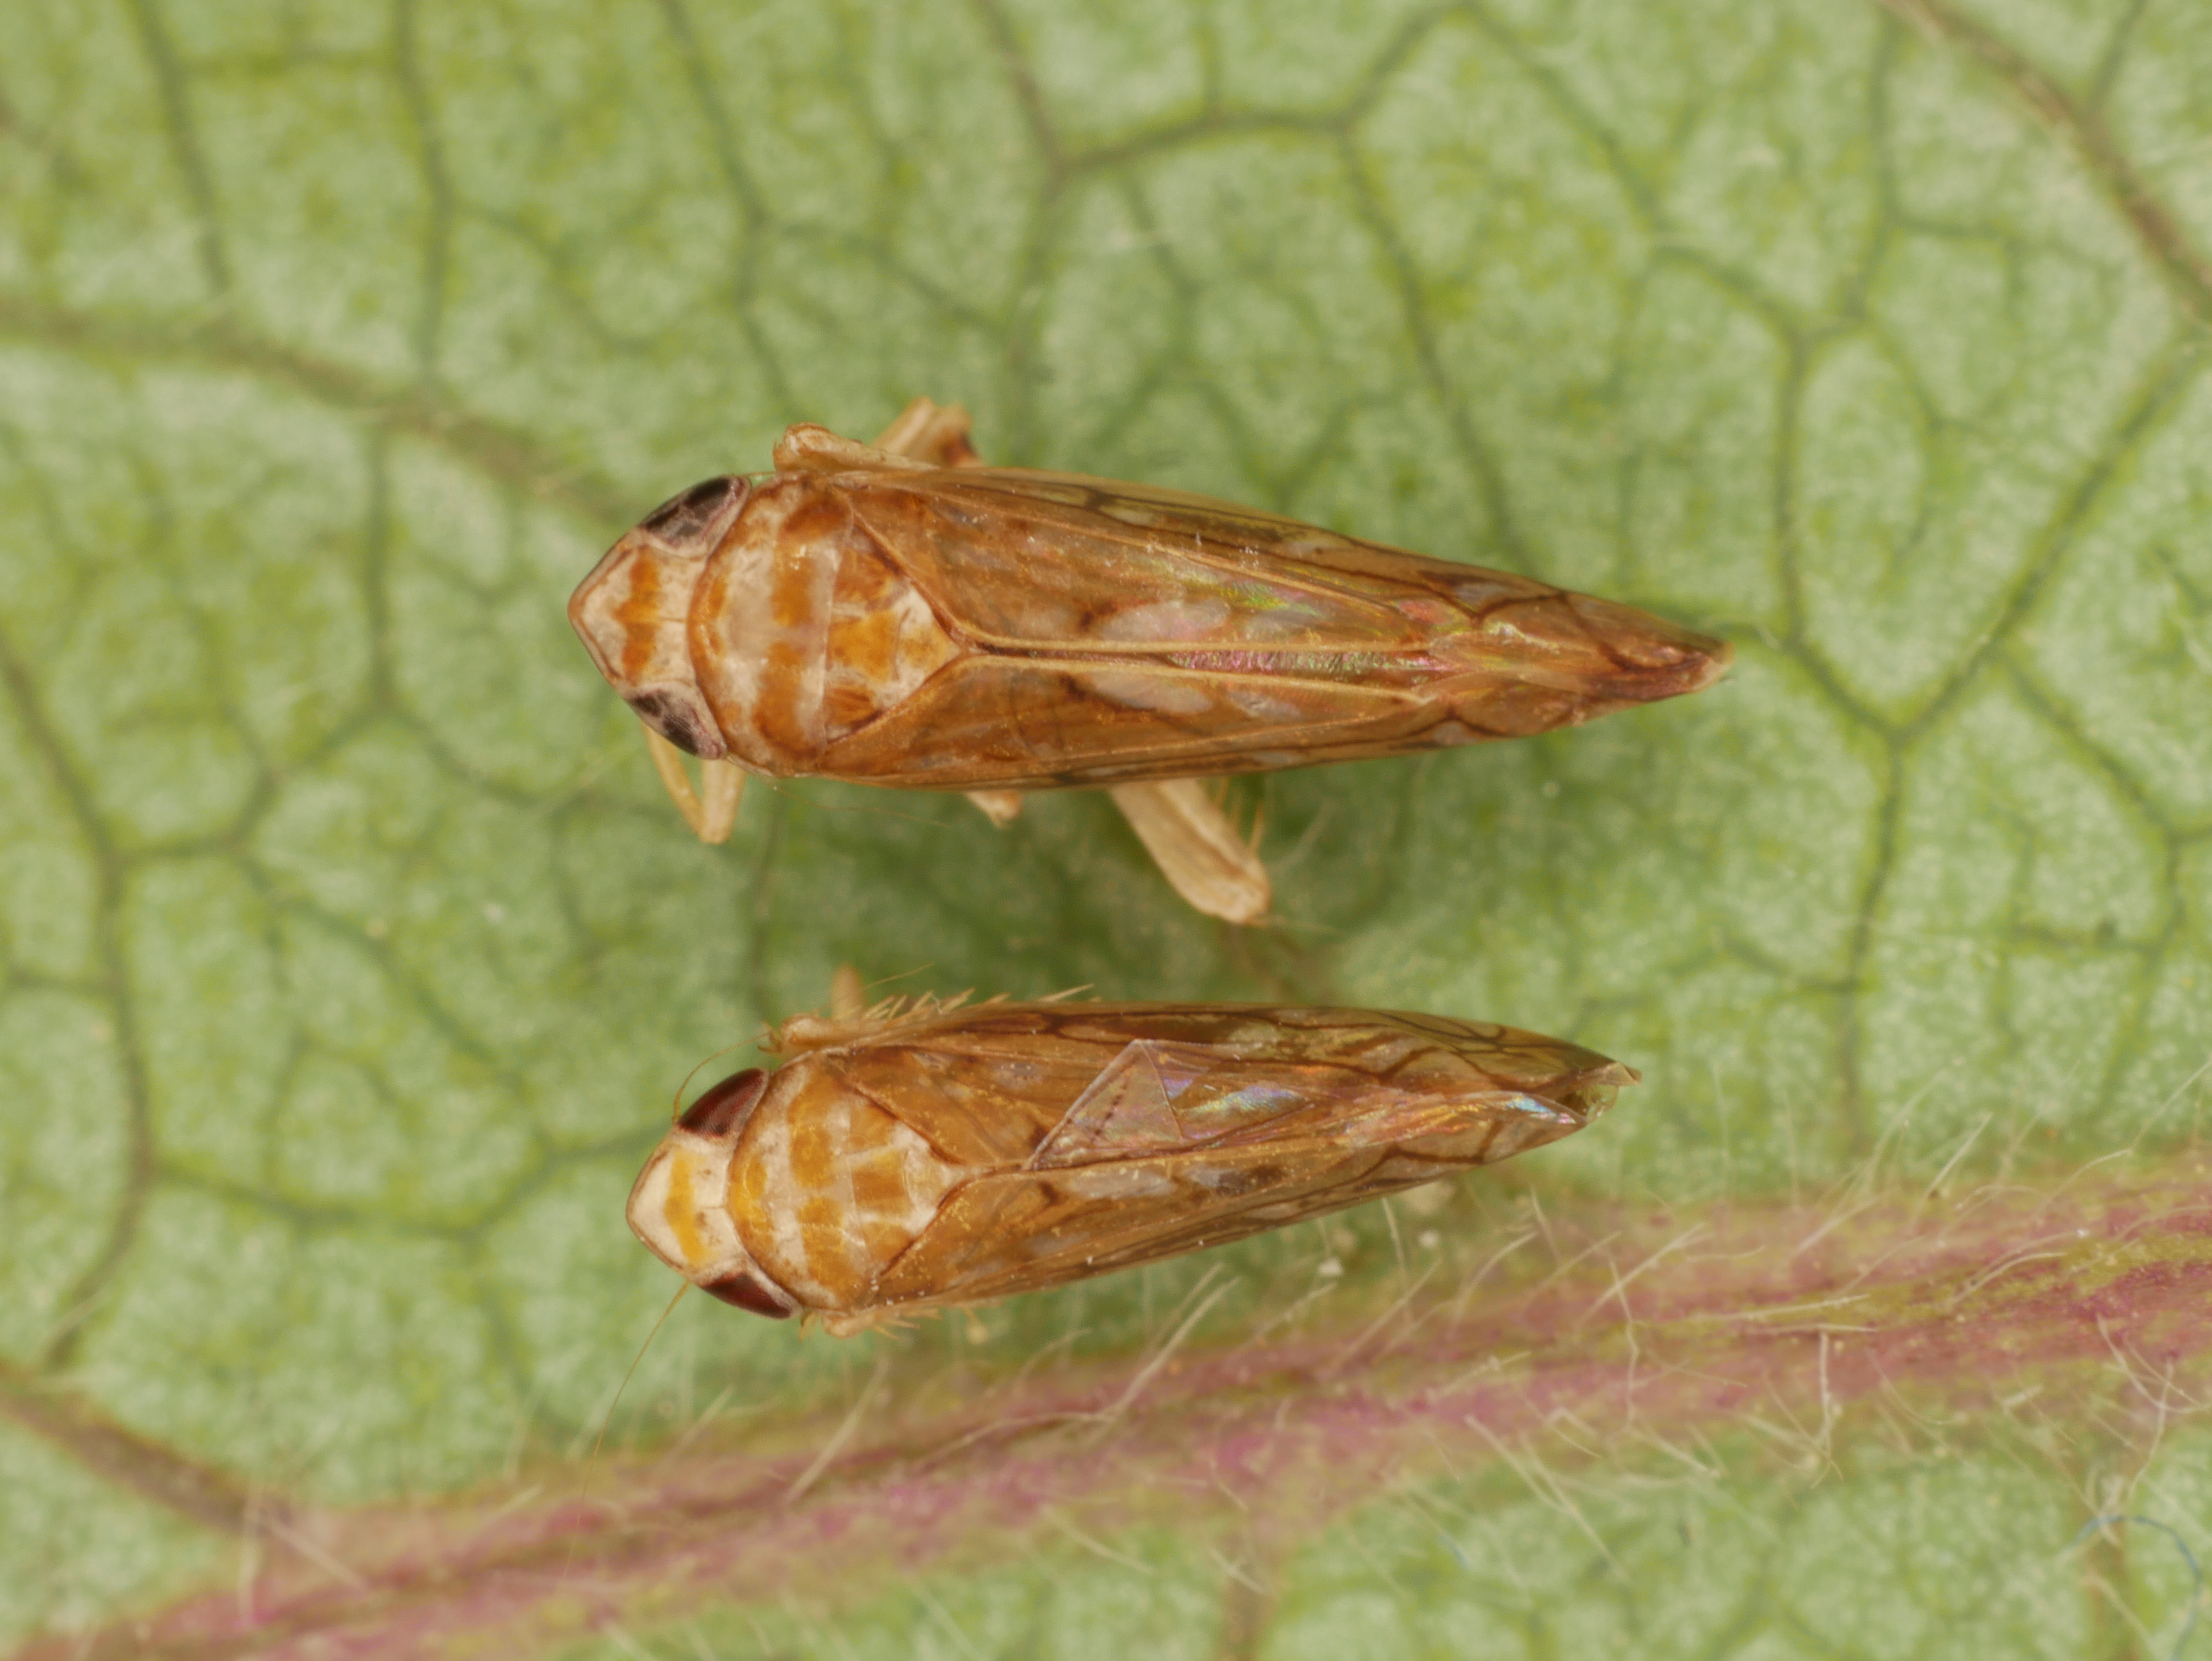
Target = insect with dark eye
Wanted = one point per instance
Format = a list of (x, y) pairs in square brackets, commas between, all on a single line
[(922, 1156), (901, 615)]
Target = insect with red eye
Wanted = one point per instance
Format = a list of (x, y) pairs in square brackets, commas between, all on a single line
[(925, 1155), (901, 615)]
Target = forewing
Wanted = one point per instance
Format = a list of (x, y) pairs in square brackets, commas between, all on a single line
[(1283, 588), (992, 720), (1114, 633), (987, 1086), (1043, 561), (985, 1111), (1210, 1124), (1020, 1231)]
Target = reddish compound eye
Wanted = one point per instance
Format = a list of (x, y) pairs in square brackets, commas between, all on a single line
[(747, 1291), (723, 1111)]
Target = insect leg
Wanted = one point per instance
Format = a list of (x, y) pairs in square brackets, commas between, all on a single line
[(926, 435), (1001, 807), (806, 448), (713, 818), (934, 433), (726, 788), (1197, 849)]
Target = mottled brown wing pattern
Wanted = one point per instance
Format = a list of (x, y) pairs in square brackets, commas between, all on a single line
[(987, 1084), (988, 720), (1148, 574), (1109, 632), (1013, 1232), (1122, 1134)]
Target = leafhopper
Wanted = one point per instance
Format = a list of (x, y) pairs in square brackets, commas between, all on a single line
[(901, 615), (927, 1155)]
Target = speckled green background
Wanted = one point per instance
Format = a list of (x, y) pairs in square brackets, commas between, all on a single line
[(349, 954)]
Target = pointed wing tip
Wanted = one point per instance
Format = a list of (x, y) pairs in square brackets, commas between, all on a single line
[(1711, 660), (1591, 1095), (1652, 658), (1669, 663)]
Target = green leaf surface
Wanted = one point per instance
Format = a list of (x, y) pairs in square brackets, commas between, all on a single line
[(352, 955)]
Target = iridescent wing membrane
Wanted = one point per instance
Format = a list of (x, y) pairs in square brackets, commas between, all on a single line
[(1115, 1135), (1103, 633)]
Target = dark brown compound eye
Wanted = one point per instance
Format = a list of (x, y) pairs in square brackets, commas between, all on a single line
[(672, 721), (749, 1293), (723, 1110), (682, 518)]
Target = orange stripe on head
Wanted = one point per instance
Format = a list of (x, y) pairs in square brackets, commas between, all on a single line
[(640, 616), (682, 1211)]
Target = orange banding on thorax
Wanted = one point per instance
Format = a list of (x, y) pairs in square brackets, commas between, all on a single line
[(827, 1189), (884, 641)]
